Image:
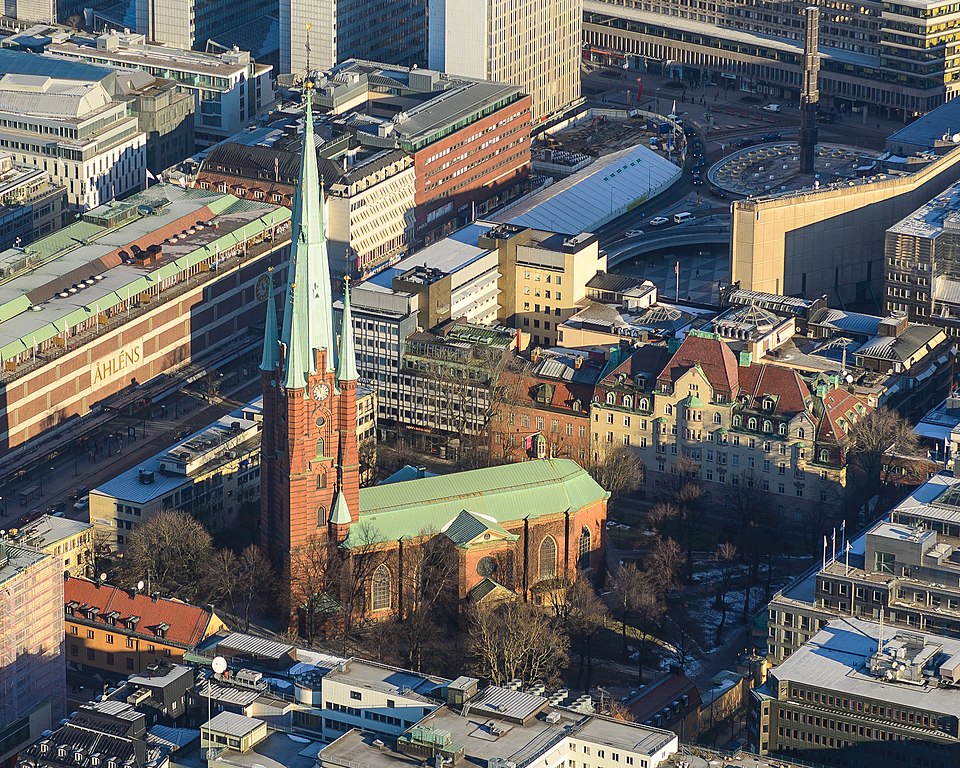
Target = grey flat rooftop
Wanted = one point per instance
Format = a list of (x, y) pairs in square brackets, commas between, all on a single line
[(516, 743), (154, 681), (20, 558), (585, 200), (504, 702), (835, 659), (47, 529), (278, 750), (127, 485), (255, 646), (930, 128), (630, 737), (927, 220), (383, 678), (448, 255), (929, 503), (232, 724)]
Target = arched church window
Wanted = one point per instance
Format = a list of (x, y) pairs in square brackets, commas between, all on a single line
[(381, 588), (583, 556), (548, 558)]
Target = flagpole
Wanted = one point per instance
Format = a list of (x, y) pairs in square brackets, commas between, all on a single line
[(824, 552), (833, 552), (676, 269), (846, 570)]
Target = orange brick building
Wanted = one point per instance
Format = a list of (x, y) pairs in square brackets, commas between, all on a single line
[(546, 411), (115, 632)]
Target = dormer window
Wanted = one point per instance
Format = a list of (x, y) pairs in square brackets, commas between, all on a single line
[(161, 629), (611, 398), (644, 404), (782, 429), (768, 403), (768, 426), (752, 424), (627, 401)]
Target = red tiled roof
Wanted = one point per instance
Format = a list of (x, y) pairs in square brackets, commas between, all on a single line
[(647, 359), (836, 404), (784, 384), (187, 623), (714, 357)]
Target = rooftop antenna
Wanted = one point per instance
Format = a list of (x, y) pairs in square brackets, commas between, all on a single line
[(880, 636)]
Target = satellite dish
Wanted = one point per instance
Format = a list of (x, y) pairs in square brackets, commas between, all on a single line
[(103, 577), (139, 586), (219, 665)]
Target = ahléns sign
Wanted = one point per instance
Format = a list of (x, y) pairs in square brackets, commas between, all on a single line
[(114, 365)]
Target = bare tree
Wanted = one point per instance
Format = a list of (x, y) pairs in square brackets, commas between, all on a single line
[(313, 574), (221, 577), (514, 640), (627, 586), (882, 447), (618, 469), (430, 576), (171, 552), (101, 556), (726, 555), (254, 583), (583, 614)]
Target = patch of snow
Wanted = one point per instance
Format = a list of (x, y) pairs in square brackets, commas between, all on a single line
[(298, 739)]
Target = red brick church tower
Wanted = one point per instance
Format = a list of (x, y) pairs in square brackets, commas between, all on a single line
[(310, 480)]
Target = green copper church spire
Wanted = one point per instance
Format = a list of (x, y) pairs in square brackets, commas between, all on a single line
[(270, 339), (308, 314), (347, 361)]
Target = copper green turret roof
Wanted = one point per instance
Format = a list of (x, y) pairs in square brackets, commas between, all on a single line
[(507, 493), (340, 514), (270, 339), (308, 313), (347, 362)]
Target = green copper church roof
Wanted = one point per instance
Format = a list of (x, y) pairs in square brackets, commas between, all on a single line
[(507, 493)]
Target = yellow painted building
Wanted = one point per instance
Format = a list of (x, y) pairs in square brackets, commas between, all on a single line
[(543, 275), (70, 541), (115, 632)]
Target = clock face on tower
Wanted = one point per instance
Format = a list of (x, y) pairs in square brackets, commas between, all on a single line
[(321, 392), (263, 288)]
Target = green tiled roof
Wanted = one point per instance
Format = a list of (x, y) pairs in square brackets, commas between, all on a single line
[(467, 526), (691, 401), (506, 493)]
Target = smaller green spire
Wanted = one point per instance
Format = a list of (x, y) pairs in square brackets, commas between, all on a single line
[(271, 340), (347, 361)]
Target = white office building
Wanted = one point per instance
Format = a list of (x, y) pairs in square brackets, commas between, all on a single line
[(74, 130), (533, 44), (230, 89)]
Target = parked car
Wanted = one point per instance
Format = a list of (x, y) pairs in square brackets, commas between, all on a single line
[(659, 221), (773, 108)]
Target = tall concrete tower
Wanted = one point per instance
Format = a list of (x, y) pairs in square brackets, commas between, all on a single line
[(810, 95)]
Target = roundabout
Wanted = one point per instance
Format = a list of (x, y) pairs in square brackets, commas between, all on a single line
[(773, 168)]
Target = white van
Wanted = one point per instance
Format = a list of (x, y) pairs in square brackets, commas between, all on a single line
[(679, 218)]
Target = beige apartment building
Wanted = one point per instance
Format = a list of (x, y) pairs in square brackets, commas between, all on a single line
[(533, 44), (542, 277), (740, 427), (70, 541)]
